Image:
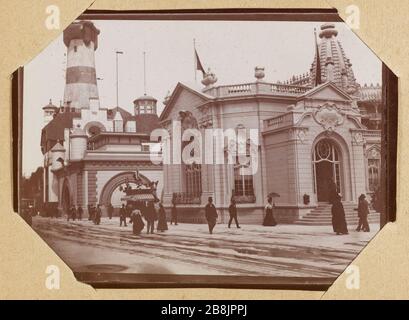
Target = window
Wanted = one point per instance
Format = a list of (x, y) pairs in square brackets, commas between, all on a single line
[(374, 169), (118, 126), (194, 179), (373, 174), (243, 183)]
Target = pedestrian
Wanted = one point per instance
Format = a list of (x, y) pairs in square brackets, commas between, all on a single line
[(150, 217), (122, 216), (363, 211), (339, 223), (162, 224), (174, 214), (98, 214), (233, 213), (74, 213), (211, 214), (137, 222), (90, 212), (110, 211), (79, 213), (269, 220), (71, 213)]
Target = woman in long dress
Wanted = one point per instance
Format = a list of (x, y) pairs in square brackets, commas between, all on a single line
[(137, 222), (339, 223), (162, 224), (269, 217)]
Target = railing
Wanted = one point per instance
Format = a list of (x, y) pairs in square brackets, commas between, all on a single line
[(241, 88), (186, 198), (279, 121), (257, 88), (288, 88)]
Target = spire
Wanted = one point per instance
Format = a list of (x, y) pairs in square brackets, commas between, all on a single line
[(317, 62)]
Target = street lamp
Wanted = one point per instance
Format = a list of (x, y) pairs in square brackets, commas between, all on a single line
[(117, 84)]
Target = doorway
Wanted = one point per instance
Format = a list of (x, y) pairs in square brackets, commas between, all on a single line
[(327, 169)]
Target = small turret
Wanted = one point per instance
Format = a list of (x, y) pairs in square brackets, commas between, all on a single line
[(78, 143), (49, 111), (145, 105)]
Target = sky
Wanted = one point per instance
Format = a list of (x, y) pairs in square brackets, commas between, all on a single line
[(230, 48)]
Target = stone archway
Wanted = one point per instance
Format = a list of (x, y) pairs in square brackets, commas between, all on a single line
[(115, 182)]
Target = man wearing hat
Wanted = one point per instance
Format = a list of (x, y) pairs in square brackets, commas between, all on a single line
[(363, 211)]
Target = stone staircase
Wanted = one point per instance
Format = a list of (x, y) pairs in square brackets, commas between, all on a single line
[(321, 215)]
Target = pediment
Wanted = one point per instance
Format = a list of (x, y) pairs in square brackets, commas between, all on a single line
[(328, 92), (183, 98)]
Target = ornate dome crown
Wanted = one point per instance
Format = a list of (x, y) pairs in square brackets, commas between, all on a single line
[(335, 66)]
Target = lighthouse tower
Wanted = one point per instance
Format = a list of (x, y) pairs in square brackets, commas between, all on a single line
[(81, 40)]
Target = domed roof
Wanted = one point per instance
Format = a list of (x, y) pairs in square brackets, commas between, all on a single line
[(146, 98), (50, 106), (335, 65)]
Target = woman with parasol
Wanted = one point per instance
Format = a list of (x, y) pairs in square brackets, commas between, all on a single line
[(269, 220)]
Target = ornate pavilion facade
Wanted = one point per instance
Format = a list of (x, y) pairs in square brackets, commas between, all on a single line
[(315, 128)]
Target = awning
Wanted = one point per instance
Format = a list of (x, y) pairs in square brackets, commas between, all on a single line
[(140, 197)]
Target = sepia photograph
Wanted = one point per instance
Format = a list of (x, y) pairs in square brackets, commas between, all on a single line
[(203, 152)]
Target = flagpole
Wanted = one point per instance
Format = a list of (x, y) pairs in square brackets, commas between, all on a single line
[(144, 74), (194, 58)]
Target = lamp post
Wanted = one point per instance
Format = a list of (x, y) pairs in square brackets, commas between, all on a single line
[(117, 81)]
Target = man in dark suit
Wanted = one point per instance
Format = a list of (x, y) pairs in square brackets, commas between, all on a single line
[(110, 211), (122, 215), (233, 213), (211, 214)]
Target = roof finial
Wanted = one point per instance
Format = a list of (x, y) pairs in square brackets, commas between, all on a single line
[(317, 61)]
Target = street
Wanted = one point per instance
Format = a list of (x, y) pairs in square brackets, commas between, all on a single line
[(281, 251)]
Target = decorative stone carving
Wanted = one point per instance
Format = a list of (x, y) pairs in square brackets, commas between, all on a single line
[(358, 138), (188, 120), (209, 79), (302, 135), (373, 153), (329, 117), (259, 73)]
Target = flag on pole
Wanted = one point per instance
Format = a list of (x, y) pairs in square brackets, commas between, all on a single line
[(318, 80), (198, 64)]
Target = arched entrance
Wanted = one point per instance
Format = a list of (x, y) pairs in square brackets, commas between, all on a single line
[(327, 162), (65, 197), (116, 181)]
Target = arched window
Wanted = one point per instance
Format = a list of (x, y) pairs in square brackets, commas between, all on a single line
[(243, 182)]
